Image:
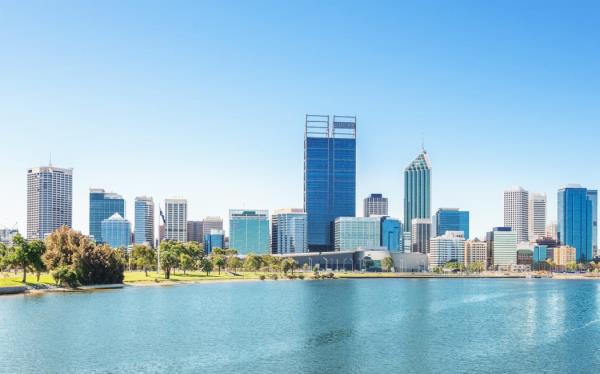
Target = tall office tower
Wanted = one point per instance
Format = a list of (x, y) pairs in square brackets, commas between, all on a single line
[(537, 216), (195, 232), (176, 217), (445, 248), (329, 176), (451, 219), (49, 200), (116, 231), (249, 231), (575, 220), (375, 205), (503, 243), (288, 231), (516, 212), (391, 234), (214, 239), (421, 235), (102, 206), (352, 233), (552, 230), (212, 223), (144, 221), (417, 190), (475, 252), (593, 197)]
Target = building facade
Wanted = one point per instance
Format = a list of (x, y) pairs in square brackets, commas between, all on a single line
[(504, 247), (421, 235), (102, 206), (516, 212), (475, 252), (195, 233), (352, 233), (288, 231), (144, 221), (116, 231), (214, 239), (49, 200), (592, 196), (446, 248), (375, 205), (329, 176), (391, 234), (575, 220), (249, 231), (537, 216), (417, 190), (564, 255), (451, 219), (176, 220), (212, 223), (7, 235)]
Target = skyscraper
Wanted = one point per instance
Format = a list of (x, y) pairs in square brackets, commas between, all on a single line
[(116, 231), (352, 233), (417, 190), (102, 206), (503, 244), (537, 216), (211, 223), (421, 235), (575, 221), (375, 205), (144, 221), (516, 212), (329, 176), (391, 234), (451, 219), (195, 232), (288, 231), (176, 217), (593, 197), (49, 200), (447, 247), (249, 231)]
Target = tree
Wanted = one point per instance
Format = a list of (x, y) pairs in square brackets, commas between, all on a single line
[(186, 262), (475, 267), (572, 266), (168, 257), (207, 266), (25, 255), (3, 251), (219, 261), (233, 263), (252, 262), (288, 264), (143, 257), (387, 263), (305, 267)]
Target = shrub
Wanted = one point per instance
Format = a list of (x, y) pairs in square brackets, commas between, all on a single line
[(301, 276), (274, 276), (262, 277), (64, 276)]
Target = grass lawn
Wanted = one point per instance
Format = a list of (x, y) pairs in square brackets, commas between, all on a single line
[(10, 279), (139, 276)]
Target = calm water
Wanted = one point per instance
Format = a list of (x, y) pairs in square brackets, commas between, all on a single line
[(345, 326)]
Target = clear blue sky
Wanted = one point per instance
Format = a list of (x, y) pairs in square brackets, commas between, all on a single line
[(207, 101)]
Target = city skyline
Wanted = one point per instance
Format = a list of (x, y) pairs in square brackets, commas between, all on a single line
[(407, 84)]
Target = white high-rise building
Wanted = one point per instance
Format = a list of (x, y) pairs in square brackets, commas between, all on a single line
[(49, 200), (537, 216), (176, 217), (144, 220), (475, 251), (516, 212), (375, 205), (445, 248)]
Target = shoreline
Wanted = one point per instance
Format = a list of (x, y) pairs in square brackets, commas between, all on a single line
[(29, 290)]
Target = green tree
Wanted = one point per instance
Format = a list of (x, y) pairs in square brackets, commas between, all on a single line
[(143, 257), (387, 263), (99, 265), (252, 262), (26, 256), (186, 262), (233, 263), (207, 266), (169, 258), (305, 267), (218, 261), (572, 266), (288, 264)]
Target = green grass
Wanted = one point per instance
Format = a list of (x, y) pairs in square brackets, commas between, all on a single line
[(192, 276), (10, 279)]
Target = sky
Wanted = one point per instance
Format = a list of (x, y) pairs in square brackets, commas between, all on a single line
[(206, 100)]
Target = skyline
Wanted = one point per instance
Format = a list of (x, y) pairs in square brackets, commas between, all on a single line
[(489, 122)]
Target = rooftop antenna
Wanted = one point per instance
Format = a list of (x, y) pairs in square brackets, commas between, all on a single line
[(50, 164), (422, 143)]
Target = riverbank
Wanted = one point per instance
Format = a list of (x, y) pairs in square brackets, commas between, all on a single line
[(11, 284)]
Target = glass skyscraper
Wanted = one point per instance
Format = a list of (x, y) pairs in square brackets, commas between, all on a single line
[(288, 231), (214, 239), (144, 221), (575, 220), (593, 197), (116, 231), (249, 231), (102, 206), (451, 219), (417, 190), (391, 234), (329, 176)]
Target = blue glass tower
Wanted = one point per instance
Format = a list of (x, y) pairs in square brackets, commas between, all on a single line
[(116, 231), (102, 206), (249, 231), (593, 197), (417, 190), (214, 239), (451, 219), (575, 222), (391, 234), (329, 176), (144, 221)]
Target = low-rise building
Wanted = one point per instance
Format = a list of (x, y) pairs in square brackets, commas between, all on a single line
[(564, 255), (475, 252), (446, 248)]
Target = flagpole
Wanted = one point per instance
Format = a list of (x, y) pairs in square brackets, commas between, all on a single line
[(158, 247)]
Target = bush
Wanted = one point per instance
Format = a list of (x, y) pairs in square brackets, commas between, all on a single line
[(301, 276), (291, 277), (274, 276), (330, 275), (64, 276), (262, 277), (99, 265)]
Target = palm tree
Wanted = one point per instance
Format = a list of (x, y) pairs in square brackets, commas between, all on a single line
[(387, 263)]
